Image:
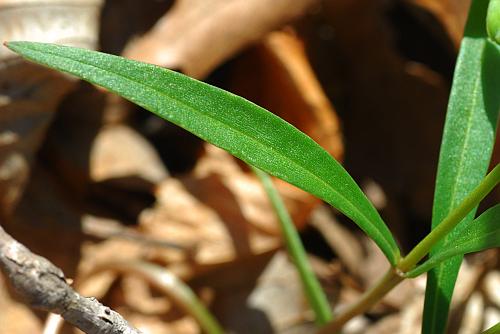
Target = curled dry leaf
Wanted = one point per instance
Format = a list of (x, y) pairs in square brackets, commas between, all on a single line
[(491, 317), (71, 22), (473, 315), (133, 157), (278, 282), (373, 264), (217, 215), (29, 94), (342, 241), (491, 283), (277, 75), (189, 40), (219, 208)]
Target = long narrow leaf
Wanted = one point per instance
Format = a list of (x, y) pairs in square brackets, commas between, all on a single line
[(480, 234), (466, 148), (244, 129)]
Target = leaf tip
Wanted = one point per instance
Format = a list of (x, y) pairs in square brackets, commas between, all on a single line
[(10, 45)]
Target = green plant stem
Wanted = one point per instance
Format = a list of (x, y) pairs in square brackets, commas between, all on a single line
[(452, 220), (317, 299), (369, 298), (394, 275), (172, 286)]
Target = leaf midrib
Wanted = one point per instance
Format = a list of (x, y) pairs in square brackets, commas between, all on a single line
[(440, 267), (465, 146)]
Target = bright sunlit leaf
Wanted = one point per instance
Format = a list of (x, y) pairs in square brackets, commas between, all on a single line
[(244, 129)]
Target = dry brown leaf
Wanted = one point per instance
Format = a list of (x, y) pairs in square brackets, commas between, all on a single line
[(219, 208), (218, 215), (110, 167), (71, 22), (411, 315), (491, 284), (472, 319), (345, 245), (155, 324), (491, 317), (373, 265), (134, 156), (29, 94), (277, 75), (196, 36), (47, 213), (386, 325), (278, 295)]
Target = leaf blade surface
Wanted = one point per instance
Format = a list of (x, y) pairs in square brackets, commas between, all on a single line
[(466, 148), (244, 129)]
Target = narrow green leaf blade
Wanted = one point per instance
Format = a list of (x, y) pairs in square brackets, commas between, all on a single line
[(480, 234), (244, 129), (466, 148)]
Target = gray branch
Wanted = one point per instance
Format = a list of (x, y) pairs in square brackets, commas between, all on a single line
[(44, 287)]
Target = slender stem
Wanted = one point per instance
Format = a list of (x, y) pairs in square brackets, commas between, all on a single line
[(172, 286), (454, 218), (393, 276), (369, 298), (317, 299)]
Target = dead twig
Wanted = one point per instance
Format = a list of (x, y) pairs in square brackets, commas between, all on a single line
[(44, 287)]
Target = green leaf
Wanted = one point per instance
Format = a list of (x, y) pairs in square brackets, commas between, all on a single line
[(242, 128), (480, 234), (466, 148), (312, 288), (493, 20)]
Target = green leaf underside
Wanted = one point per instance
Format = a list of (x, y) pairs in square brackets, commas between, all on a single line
[(466, 148), (478, 235), (242, 128)]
